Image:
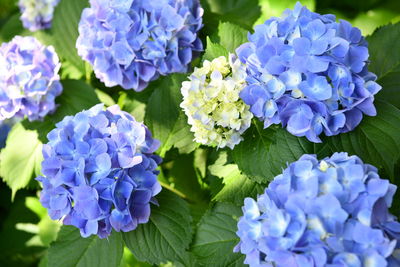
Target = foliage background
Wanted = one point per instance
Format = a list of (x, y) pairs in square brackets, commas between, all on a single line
[(203, 188)]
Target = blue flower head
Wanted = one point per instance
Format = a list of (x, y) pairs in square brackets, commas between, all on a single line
[(99, 171), (29, 80), (37, 14), (332, 212), (309, 73), (131, 42)]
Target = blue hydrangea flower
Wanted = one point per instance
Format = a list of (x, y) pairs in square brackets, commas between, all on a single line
[(130, 43), (309, 73), (99, 171), (29, 80), (37, 14), (332, 212)]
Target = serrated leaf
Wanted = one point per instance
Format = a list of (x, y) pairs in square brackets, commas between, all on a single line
[(376, 140), (214, 50), (216, 238), (70, 250), (64, 30), (386, 67), (264, 153), (21, 158), (241, 12), (236, 185), (384, 39), (231, 36), (390, 88), (165, 118), (167, 235)]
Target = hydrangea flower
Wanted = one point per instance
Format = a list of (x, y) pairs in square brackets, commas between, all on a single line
[(130, 43), (4, 130), (29, 80), (332, 212), (309, 73), (37, 14), (211, 101), (99, 171)]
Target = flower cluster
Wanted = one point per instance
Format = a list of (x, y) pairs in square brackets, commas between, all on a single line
[(29, 80), (318, 213), (308, 73), (37, 14), (100, 171), (211, 101), (130, 43)]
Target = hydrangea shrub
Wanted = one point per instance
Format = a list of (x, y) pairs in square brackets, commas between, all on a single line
[(332, 212), (37, 14), (309, 73), (130, 43), (99, 171), (211, 101), (101, 191), (29, 80)]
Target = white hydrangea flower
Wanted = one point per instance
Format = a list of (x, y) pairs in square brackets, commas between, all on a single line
[(37, 14), (211, 101)]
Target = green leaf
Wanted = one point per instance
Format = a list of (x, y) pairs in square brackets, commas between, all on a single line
[(368, 21), (264, 153), (376, 140), (214, 50), (47, 228), (128, 260), (21, 158), (390, 88), (231, 36), (76, 96), (135, 102), (216, 238), (384, 39), (105, 98), (241, 12), (70, 249), (165, 118), (12, 27), (386, 67), (64, 30), (167, 235), (15, 244), (236, 186), (182, 175)]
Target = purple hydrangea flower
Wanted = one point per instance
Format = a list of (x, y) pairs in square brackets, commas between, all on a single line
[(309, 73), (37, 14), (332, 212), (130, 43), (99, 171), (29, 80)]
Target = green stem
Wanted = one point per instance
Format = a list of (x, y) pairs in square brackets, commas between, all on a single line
[(173, 190), (88, 72)]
